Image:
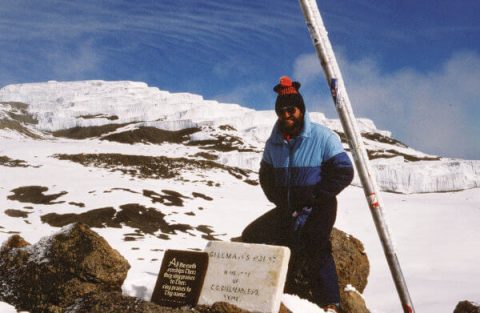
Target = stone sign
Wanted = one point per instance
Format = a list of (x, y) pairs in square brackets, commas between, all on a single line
[(250, 276), (181, 278)]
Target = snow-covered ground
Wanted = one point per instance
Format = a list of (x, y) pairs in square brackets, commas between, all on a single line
[(435, 234), (436, 237)]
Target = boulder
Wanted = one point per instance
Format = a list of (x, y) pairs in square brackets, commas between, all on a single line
[(49, 275), (351, 261), (352, 270), (467, 307)]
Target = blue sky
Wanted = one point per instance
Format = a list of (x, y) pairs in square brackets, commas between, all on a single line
[(413, 67)]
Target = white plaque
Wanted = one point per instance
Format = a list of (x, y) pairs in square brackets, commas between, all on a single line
[(250, 276)]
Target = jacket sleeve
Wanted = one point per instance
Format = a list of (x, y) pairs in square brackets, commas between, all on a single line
[(336, 170), (267, 181), (266, 176), (337, 173)]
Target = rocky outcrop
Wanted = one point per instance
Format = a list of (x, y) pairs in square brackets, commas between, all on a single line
[(49, 275), (467, 307)]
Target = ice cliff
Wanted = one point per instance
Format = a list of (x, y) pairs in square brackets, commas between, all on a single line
[(37, 109)]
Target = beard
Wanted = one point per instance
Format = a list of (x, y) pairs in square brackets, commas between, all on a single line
[(291, 125)]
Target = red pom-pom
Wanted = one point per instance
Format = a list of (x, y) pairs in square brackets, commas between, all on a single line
[(285, 81)]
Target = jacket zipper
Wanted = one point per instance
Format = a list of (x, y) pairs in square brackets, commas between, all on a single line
[(290, 145)]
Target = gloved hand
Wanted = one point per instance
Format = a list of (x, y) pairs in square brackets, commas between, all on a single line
[(301, 217)]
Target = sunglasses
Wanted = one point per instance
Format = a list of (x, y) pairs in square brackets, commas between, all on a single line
[(290, 110)]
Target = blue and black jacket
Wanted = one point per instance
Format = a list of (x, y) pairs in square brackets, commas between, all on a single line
[(308, 170)]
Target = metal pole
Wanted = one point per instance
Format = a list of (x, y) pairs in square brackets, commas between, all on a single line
[(334, 79)]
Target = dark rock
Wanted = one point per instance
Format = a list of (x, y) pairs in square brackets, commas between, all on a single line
[(383, 139), (115, 302), (352, 269), (152, 167), (6, 161), (49, 275), (145, 220), (220, 307), (201, 195), (467, 307), (284, 309), (151, 135), (222, 143), (351, 260), (79, 204), (208, 231), (227, 127), (207, 156), (224, 307), (18, 117), (34, 194), (13, 242), (388, 153), (353, 302), (168, 198), (17, 213), (94, 116), (87, 132), (94, 218)]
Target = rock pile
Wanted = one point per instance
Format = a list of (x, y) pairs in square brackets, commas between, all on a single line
[(76, 271)]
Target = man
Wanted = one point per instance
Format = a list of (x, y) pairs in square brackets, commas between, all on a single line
[(304, 167)]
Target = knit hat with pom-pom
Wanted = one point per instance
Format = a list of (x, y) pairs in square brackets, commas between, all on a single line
[(288, 95)]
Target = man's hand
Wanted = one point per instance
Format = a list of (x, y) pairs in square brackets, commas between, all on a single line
[(301, 217)]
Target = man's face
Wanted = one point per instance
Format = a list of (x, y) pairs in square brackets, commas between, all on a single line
[(291, 119)]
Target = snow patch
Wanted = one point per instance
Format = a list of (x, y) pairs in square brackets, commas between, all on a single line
[(38, 251), (7, 308), (296, 304), (350, 288)]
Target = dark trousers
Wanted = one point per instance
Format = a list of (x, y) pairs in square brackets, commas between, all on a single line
[(310, 246)]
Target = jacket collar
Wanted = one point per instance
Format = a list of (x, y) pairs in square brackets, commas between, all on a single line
[(277, 137)]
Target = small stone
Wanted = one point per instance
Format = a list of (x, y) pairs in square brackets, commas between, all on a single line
[(467, 307)]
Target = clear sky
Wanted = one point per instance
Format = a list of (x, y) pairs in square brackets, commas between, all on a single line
[(413, 67)]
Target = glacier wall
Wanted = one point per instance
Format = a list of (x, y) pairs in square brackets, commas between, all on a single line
[(444, 175), (63, 105)]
